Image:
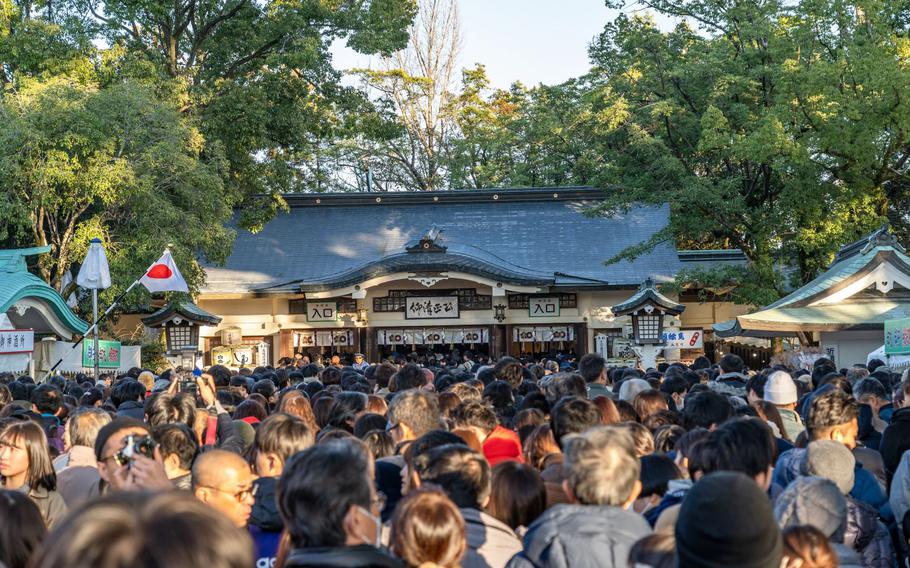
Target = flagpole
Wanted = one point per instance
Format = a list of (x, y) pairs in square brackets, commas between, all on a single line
[(94, 329), (95, 320)]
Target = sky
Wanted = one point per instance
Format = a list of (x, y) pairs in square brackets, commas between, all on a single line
[(532, 41)]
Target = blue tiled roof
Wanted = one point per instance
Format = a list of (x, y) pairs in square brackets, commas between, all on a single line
[(529, 233)]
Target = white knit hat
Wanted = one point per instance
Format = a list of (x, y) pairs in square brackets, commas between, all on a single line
[(780, 389)]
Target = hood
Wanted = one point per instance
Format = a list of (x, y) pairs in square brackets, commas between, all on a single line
[(570, 535)]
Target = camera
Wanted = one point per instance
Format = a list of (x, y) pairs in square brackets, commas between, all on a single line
[(187, 385), (135, 445)]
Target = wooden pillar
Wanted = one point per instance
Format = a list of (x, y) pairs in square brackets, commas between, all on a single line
[(285, 343), (500, 341), (370, 346), (581, 339)]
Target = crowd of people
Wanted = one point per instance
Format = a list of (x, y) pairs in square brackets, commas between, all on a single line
[(476, 464)]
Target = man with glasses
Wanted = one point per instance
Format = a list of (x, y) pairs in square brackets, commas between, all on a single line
[(224, 481), (121, 472)]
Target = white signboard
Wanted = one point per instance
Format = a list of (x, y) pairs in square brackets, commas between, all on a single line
[(431, 307), (684, 339), (543, 333), (17, 341), (321, 311), (543, 307)]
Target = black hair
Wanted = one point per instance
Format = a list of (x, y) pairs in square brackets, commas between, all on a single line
[(657, 470), (706, 409), (23, 529), (367, 423), (166, 408), (573, 415), (177, 439), (757, 384), (221, 375), (460, 471), (674, 384), (128, 390), (499, 394), (745, 445), (311, 482), (47, 399), (731, 363), (265, 387), (18, 390), (409, 377)]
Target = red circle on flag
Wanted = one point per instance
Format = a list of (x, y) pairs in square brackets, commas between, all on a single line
[(159, 271)]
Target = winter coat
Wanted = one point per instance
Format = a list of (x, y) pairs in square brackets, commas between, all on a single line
[(866, 487), (846, 557), (265, 524), (490, 542), (900, 489), (730, 383), (597, 389), (360, 556), (552, 475), (895, 441), (77, 478), (132, 409), (867, 535), (50, 503), (581, 536)]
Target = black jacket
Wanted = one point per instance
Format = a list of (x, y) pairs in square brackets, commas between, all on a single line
[(132, 409), (895, 441), (361, 556), (265, 510)]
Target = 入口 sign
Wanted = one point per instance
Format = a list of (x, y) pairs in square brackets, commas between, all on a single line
[(543, 307), (321, 311)]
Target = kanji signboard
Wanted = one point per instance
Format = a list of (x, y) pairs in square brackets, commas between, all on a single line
[(17, 341), (432, 307), (897, 337), (108, 354)]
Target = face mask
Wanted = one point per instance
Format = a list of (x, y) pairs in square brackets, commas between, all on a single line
[(377, 541)]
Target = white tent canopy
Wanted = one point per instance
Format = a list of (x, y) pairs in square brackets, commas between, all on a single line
[(894, 362)]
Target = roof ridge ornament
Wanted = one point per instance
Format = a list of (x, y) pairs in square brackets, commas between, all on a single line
[(429, 242), (882, 237)]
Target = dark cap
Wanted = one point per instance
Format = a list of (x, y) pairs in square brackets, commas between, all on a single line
[(116, 425)]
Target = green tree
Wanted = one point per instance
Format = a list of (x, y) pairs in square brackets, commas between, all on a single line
[(775, 128)]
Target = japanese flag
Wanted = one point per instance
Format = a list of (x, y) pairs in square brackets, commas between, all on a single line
[(163, 276)]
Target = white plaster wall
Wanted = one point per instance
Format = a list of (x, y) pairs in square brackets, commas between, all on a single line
[(852, 346)]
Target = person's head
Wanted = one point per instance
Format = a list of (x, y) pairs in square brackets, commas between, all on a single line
[(145, 529), (727, 520), (592, 367), (807, 547), (560, 385), (780, 390), (476, 416), (676, 387), (167, 408), (518, 495), (745, 445), (706, 409), (427, 528), (23, 531), (657, 471), (870, 391), (833, 416), (601, 467), (109, 442), (538, 445), (573, 415), (630, 388), (83, 426), (412, 414), (463, 473), (321, 508), (831, 460), (224, 481), (409, 377), (47, 399), (731, 363), (657, 550), (641, 437), (25, 458), (813, 501), (509, 370), (279, 437), (178, 446), (649, 402)]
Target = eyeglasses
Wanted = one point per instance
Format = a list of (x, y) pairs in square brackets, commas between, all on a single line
[(240, 496)]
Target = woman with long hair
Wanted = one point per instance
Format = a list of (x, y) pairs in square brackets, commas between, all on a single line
[(25, 466)]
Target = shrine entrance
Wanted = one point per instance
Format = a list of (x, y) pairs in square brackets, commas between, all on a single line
[(436, 341), (543, 341)]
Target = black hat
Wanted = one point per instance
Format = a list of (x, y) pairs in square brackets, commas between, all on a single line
[(727, 520), (116, 425)]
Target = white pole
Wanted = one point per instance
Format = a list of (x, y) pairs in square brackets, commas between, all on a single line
[(95, 325)]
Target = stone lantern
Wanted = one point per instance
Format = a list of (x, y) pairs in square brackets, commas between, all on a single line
[(648, 309), (181, 322)]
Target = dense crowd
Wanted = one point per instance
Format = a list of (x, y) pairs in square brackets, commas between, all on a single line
[(430, 463)]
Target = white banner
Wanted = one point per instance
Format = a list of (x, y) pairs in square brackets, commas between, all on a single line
[(543, 333), (432, 307), (684, 339), (434, 337), (543, 307), (17, 341)]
